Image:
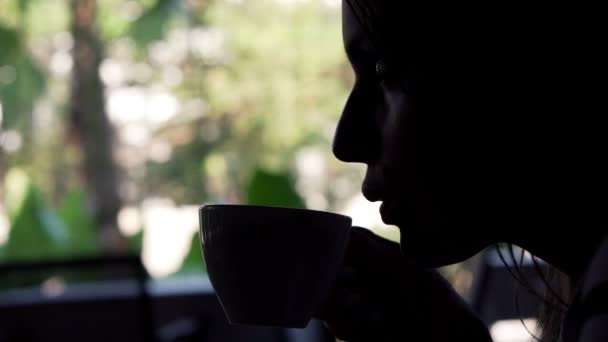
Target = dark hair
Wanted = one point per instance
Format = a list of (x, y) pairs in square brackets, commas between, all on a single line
[(372, 15), (552, 314), (555, 300)]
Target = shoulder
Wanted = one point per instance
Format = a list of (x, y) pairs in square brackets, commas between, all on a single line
[(588, 319), (596, 278)]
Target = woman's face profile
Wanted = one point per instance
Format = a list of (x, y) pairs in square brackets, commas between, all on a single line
[(417, 148)]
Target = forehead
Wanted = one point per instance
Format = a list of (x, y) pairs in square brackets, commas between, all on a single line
[(389, 34), (353, 32), (413, 35)]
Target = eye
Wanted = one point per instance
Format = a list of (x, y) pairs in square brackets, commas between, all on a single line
[(381, 69), (382, 72)]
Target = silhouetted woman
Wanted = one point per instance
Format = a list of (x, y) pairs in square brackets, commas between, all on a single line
[(478, 125)]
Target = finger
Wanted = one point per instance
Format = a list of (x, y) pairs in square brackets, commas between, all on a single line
[(346, 282), (343, 302), (368, 252), (349, 315)]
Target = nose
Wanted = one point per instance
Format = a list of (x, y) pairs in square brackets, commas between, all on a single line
[(357, 137)]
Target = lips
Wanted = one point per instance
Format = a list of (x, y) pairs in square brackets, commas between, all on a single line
[(372, 192), (374, 189), (387, 213)]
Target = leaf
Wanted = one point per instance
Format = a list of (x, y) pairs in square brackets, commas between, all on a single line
[(31, 237), (193, 262), (136, 242), (9, 40), (152, 24), (40, 232), (52, 224), (19, 93), (79, 223), (273, 189), (17, 187), (23, 5)]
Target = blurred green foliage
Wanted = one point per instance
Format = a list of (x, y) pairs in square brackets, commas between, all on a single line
[(273, 189), (193, 262), (21, 80), (81, 226), (152, 25), (38, 231), (254, 82)]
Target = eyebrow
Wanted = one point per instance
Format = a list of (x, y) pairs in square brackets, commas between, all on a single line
[(359, 43)]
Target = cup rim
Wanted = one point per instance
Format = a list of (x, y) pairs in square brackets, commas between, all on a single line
[(321, 212)]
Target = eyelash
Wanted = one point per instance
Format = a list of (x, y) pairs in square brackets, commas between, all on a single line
[(381, 69), (376, 71), (381, 72)]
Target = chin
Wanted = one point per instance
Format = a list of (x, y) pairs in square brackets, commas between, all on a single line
[(437, 249)]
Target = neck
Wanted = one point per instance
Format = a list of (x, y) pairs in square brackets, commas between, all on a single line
[(569, 255)]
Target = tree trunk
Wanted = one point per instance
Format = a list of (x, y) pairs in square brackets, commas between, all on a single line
[(91, 129)]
